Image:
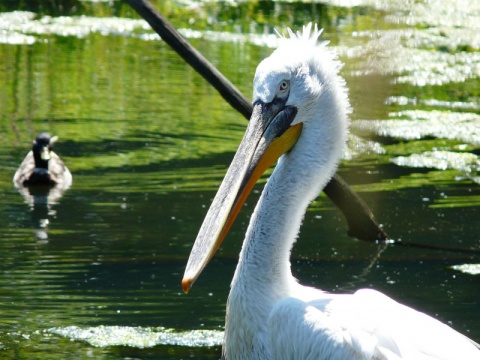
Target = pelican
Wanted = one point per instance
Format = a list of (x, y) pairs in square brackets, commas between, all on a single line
[(300, 118), (42, 166)]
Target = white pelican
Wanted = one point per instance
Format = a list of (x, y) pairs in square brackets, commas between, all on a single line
[(301, 111)]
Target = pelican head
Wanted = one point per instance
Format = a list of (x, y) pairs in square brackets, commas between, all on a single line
[(299, 103)]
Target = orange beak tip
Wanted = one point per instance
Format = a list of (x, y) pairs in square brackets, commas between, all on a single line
[(186, 285)]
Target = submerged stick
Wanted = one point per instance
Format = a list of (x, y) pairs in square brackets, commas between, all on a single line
[(360, 219)]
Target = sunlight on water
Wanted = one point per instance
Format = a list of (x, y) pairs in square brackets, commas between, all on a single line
[(139, 337)]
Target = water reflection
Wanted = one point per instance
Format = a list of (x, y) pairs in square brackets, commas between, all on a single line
[(42, 178), (41, 200)]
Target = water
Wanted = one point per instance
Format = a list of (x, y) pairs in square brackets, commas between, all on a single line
[(97, 272)]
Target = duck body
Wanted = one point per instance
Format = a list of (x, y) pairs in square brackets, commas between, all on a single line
[(300, 110), (42, 166)]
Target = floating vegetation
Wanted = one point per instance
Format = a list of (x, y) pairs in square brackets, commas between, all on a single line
[(9, 25), (359, 146), (441, 160), (440, 42), (471, 269), (458, 14), (15, 38), (387, 50), (457, 201), (460, 132), (23, 27), (463, 127), (23, 22), (404, 101), (437, 68), (139, 337)]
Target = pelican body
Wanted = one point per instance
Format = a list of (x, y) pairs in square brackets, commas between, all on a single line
[(300, 118), (42, 166)]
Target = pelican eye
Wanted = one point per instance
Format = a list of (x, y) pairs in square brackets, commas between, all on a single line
[(283, 86)]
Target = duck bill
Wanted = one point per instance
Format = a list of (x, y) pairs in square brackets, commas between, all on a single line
[(45, 153), (268, 136)]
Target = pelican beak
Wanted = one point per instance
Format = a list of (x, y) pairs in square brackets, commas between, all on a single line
[(269, 135)]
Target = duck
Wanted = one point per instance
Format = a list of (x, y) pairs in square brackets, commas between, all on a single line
[(42, 166)]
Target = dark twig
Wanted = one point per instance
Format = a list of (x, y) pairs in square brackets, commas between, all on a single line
[(360, 219)]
